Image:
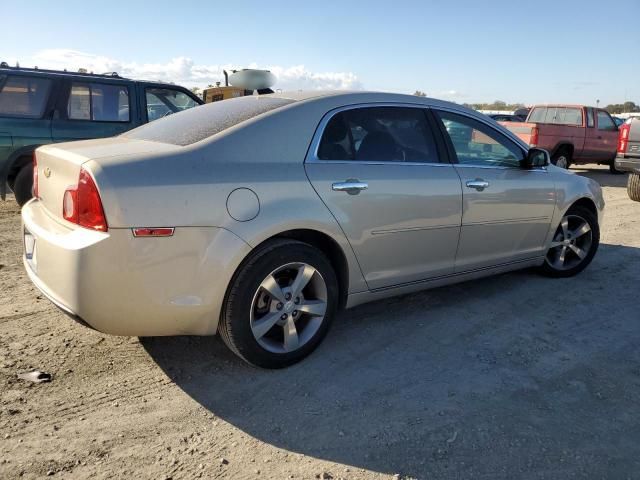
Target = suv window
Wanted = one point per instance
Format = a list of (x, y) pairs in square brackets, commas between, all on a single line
[(99, 102), (165, 101), (605, 122), (478, 144), (23, 96), (197, 124), (389, 134)]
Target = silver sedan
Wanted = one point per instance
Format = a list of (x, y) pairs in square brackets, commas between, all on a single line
[(260, 217)]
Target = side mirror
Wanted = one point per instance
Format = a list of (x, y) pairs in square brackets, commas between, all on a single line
[(536, 157)]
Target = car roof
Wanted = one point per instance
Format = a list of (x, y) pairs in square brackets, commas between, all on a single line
[(112, 76), (345, 97)]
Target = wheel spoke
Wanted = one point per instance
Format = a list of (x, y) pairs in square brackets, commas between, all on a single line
[(315, 308), (559, 260), (581, 230), (564, 224), (262, 326), (290, 335), (305, 272), (556, 244), (578, 251), (271, 286)]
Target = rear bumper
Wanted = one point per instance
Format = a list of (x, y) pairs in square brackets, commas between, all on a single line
[(627, 163), (123, 285)]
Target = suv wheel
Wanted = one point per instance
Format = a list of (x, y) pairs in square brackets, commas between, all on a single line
[(633, 186), (562, 158), (23, 185), (574, 244), (280, 304)]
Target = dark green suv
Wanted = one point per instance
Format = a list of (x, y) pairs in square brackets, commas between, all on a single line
[(44, 106)]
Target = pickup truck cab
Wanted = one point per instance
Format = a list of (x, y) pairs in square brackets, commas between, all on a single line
[(571, 133), (628, 158), (38, 107)]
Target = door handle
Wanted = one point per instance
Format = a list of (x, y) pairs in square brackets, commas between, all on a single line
[(478, 184), (352, 187)]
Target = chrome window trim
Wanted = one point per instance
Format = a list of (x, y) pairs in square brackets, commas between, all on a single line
[(312, 154)]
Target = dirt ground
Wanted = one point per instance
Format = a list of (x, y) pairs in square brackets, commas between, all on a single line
[(517, 376)]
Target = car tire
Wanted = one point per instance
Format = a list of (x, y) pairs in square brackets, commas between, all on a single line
[(267, 320), (562, 158), (574, 243), (23, 185), (633, 186), (613, 169)]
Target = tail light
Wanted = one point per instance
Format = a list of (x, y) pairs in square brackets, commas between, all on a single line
[(535, 133), (623, 138), (35, 176), (82, 205)]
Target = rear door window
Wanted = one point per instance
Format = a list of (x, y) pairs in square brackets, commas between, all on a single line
[(379, 134), (23, 96), (99, 102)]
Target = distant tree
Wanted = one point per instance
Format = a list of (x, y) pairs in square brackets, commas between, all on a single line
[(626, 107), (195, 90), (82, 70), (419, 93), (496, 105)]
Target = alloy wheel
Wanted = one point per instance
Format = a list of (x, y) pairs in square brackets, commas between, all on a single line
[(571, 243), (288, 308)]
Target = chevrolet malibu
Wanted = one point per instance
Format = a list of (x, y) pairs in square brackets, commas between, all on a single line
[(260, 217)]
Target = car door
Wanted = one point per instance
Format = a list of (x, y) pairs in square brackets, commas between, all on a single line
[(507, 209), (607, 135), (382, 175), (94, 109)]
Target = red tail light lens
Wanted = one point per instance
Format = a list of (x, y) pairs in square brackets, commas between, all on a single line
[(82, 205), (623, 138), (535, 133), (35, 176)]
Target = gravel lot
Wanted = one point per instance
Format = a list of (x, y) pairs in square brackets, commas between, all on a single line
[(516, 376)]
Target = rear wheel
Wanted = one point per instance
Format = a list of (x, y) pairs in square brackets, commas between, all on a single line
[(633, 186), (612, 167), (574, 243), (562, 158), (23, 185), (280, 304)]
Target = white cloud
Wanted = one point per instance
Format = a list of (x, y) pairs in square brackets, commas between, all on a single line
[(184, 71), (451, 94)]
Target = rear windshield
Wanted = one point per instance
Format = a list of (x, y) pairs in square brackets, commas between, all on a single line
[(23, 96), (557, 115), (195, 124)]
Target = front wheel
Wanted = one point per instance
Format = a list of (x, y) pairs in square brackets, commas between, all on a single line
[(562, 159), (280, 304), (574, 243)]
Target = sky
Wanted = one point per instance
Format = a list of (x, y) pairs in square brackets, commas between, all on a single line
[(531, 51)]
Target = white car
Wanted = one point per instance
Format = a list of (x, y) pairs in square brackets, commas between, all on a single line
[(259, 217)]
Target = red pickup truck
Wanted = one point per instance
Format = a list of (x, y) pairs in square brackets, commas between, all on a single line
[(571, 134)]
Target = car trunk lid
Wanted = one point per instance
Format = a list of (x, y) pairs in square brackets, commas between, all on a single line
[(59, 165)]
